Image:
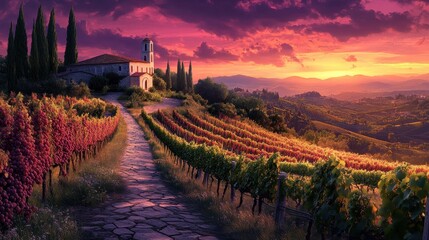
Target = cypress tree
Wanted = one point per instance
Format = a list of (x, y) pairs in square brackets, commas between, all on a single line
[(42, 46), (184, 83), (52, 44), (21, 48), (34, 57), (10, 62), (70, 55), (189, 78), (168, 76), (179, 77)]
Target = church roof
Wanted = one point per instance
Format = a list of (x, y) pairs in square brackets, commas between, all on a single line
[(108, 59)]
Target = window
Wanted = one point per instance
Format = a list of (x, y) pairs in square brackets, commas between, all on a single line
[(151, 58), (144, 58), (151, 47), (131, 68), (145, 47), (120, 68)]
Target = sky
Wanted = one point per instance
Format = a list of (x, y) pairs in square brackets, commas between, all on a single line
[(259, 38)]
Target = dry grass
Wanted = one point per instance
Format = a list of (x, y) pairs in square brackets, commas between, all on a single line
[(97, 177), (234, 224)]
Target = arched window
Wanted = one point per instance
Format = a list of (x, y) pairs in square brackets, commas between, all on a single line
[(144, 58), (151, 47), (145, 84), (131, 68), (120, 68), (145, 47)]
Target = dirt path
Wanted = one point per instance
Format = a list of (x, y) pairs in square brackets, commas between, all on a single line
[(149, 210)]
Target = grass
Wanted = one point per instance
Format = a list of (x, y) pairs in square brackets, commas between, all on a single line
[(46, 223), (233, 223), (95, 179)]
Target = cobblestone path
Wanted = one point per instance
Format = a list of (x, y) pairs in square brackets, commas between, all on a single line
[(148, 210)]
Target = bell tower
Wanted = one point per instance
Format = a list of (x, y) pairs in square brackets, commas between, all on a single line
[(147, 53)]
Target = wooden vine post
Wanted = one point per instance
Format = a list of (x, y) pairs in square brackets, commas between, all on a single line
[(233, 165), (281, 201), (426, 225)]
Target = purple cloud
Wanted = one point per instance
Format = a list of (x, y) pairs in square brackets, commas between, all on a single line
[(277, 56), (206, 52)]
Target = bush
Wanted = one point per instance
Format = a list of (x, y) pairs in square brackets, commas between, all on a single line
[(94, 108), (113, 80), (259, 116), (97, 83), (80, 90), (136, 97), (159, 83), (226, 109), (55, 86), (197, 98)]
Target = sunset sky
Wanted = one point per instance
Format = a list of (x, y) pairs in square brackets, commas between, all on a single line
[(260, 38)]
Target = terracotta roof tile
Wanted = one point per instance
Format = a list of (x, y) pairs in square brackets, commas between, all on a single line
[(108, 59)]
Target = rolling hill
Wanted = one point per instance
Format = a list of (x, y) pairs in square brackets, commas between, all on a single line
[(346, 87)]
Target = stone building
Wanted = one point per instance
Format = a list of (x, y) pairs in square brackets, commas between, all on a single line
[(135, 72)]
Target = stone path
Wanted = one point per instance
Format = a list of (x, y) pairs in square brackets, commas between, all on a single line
[(149, 210)]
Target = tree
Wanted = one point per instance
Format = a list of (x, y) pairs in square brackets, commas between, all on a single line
[(179, 86), (34, 57), (42, 45), (159, 83), (168, 76), (10, 62), (259, 116), (183, 78), (190, 78), (20, 46), (211, 91), (52, 44), (70, 55), (159, 72)]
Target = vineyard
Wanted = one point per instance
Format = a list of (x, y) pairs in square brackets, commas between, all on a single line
[(40, 134), (322, 180)]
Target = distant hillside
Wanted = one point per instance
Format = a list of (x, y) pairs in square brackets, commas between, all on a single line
[(351, 96), (337, 87)]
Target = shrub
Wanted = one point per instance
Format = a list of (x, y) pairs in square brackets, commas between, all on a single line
[(159, 83), (97, 83), (55, 86), (226, 109), (136, 97), (80, 90), (113, 81), (94, 108), (197, 98)]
